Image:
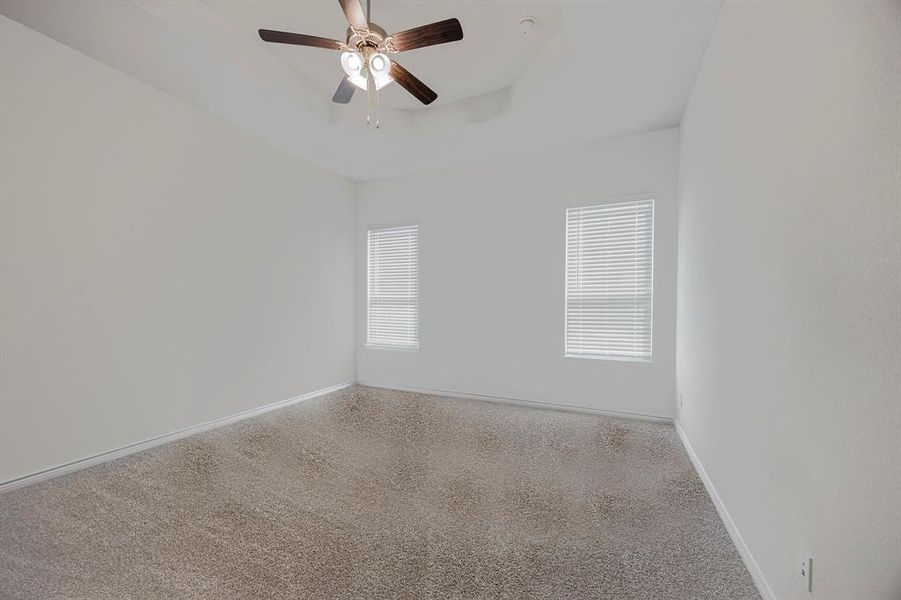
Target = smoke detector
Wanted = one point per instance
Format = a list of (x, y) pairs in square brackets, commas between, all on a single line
[(527, 25)]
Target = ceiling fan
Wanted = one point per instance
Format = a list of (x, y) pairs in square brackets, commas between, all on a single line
[(364, 54)]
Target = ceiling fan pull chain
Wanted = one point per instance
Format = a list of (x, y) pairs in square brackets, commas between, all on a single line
[(376, 107), (372, 99)]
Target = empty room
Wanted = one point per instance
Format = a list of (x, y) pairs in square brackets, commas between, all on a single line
[(426, 299)]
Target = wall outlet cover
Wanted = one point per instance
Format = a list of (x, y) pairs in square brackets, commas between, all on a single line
[(806, 572)]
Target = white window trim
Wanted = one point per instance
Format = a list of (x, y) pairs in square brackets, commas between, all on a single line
[(603, 202)]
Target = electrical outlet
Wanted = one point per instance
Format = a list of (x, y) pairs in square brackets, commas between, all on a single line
[(807, 572)]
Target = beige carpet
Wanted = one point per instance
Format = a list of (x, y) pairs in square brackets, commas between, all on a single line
[(370, 493)]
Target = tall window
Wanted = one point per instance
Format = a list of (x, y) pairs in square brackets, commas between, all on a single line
[(393, 287), (610, 280)]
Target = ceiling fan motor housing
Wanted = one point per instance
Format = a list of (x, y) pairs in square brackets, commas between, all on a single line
[(374, 37)]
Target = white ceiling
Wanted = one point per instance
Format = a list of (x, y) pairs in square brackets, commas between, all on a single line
[(589, 70)]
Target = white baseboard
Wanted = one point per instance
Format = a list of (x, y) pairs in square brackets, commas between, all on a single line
[(756, 574), (109, 455), (523, 402), (96, 459)]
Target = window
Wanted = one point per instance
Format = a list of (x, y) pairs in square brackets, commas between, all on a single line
[(610, 280), (393, 288)]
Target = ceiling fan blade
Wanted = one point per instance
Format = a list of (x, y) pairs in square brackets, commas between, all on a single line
[(344, 92), (409, 82), (356, 18), (441, 32), (299, 39)]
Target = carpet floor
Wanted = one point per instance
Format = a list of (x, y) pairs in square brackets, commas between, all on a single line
[(371, 493)]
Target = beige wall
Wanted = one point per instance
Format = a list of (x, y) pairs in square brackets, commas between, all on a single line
[(159, 268), (492, 239), (789, 326)]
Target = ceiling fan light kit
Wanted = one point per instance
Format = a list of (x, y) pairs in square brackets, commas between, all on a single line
[(365, 54), (354, 62)]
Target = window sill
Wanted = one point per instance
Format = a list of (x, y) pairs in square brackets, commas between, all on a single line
[(611, 357), (396, 348)]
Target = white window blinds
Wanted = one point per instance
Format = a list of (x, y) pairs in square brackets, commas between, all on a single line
[(610, 280), (393, 287)]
